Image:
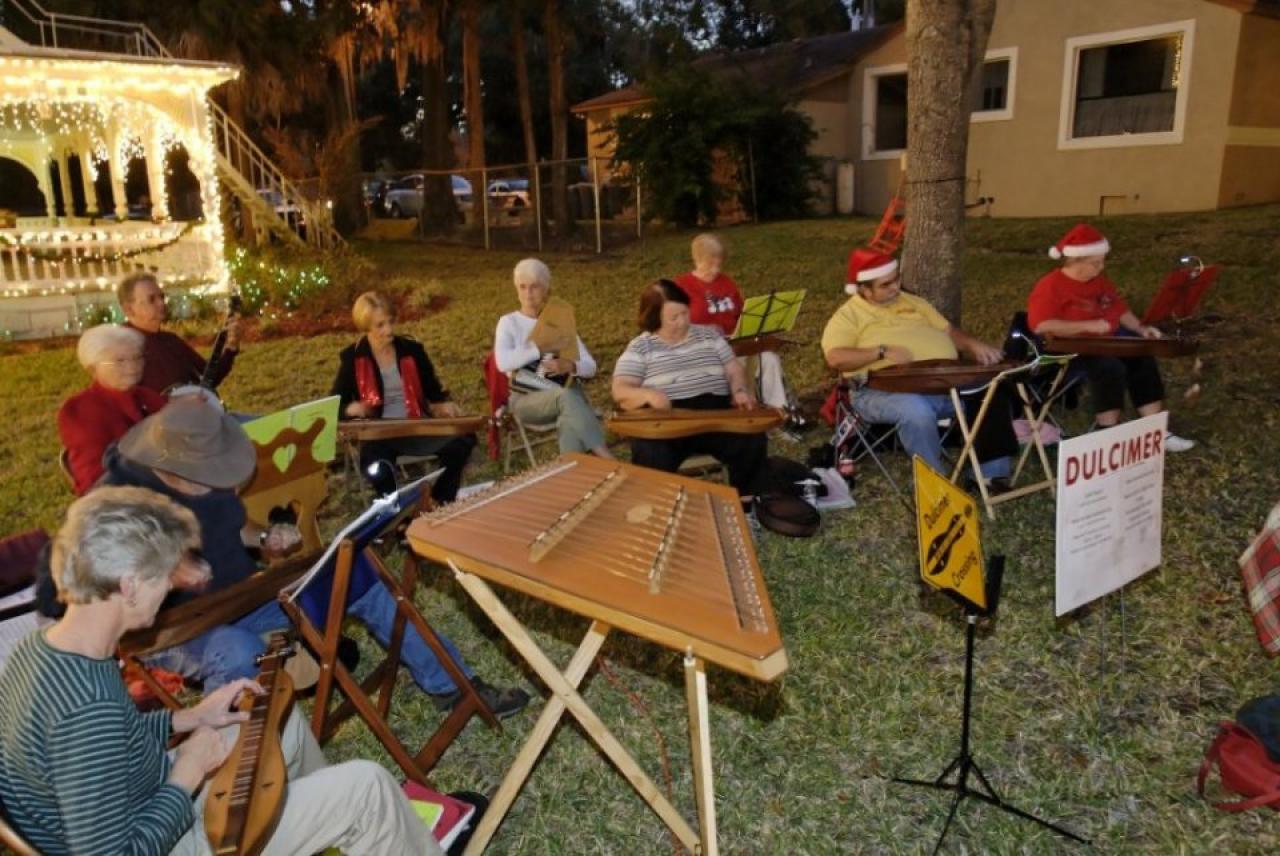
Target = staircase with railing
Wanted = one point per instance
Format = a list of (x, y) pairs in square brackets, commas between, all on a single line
[(276, 203)]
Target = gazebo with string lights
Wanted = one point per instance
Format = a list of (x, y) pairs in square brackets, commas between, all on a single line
[(107, 166)]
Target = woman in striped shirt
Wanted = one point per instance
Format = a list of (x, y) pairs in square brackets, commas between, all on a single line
[(83, 772), (673, 363)]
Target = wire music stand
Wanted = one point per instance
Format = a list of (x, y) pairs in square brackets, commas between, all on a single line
[(764, 318), (1180, 294)]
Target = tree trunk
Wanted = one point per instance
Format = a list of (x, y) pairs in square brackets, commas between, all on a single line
[(439, 211), (519, 57), (559, 120), (946, 41), (472, 99)]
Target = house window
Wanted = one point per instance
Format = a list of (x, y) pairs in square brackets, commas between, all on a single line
[(891, 112), (884, 111), (993, 95), (993, 91), (1127, 88)]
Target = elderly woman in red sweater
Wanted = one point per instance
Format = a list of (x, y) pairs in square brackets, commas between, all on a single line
[(94, 418)]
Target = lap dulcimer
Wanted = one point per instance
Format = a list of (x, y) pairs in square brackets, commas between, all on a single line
[(651, 424), (934, 377), (386, 429), (1121, 346), (246, 794)]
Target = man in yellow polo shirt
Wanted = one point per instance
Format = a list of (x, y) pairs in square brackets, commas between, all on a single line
[(880, 325)]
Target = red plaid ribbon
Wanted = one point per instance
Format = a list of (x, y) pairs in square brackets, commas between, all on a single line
[(1260, 571)]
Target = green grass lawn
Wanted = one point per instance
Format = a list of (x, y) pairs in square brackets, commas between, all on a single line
[(1097, 721)]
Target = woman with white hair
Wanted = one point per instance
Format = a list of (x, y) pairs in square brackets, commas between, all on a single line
[(94, 418), (83, 771), (551, 395)]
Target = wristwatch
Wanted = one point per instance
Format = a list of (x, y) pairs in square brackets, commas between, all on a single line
[(262, 537), (882, 350)]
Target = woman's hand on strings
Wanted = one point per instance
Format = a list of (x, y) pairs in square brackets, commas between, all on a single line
[(215, 709)]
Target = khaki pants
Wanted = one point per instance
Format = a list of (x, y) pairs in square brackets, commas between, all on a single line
[(356, 807), (766, 370), (577, 427)]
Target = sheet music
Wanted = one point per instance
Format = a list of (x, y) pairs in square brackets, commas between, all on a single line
[(390, 503)]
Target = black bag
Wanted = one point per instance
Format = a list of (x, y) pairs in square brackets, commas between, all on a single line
[(785, 477)]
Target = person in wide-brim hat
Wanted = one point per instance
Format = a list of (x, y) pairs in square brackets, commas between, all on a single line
[(194, 440)]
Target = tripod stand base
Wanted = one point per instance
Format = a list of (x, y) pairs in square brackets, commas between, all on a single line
[(963, 764)]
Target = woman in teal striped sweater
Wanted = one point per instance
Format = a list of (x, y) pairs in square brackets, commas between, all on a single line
[(83, 772)]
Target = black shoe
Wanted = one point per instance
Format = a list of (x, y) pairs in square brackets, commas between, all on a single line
[(348, 653), (504, 702)]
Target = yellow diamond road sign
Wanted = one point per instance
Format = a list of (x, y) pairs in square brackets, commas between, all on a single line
[(947, 530)]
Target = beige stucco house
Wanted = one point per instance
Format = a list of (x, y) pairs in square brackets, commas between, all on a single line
[(1083, 108)]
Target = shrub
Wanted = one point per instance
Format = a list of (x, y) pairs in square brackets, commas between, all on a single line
[(696, 118)]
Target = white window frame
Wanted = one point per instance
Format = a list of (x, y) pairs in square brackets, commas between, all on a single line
[(869, 78), (1011, 54), (1070, 71)]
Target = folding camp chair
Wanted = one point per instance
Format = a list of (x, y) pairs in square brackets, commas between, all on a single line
[(504, 426), (1048, 390), (317, 604), (854, 438)]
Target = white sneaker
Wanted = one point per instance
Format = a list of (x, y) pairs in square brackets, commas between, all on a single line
[(1174, 443)]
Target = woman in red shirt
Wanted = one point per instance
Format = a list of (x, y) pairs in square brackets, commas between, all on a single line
[(1078, 300), (94, 418)]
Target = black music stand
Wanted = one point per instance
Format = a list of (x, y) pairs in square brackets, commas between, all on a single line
[(963, 764)]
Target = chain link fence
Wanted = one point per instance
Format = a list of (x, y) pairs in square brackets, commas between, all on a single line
[(512, 206)]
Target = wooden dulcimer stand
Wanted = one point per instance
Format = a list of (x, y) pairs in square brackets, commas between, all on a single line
[(663, 557), (317, 602), (246, 795), (936, 377)]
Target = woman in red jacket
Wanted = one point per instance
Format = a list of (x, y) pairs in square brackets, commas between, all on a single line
[(93, 419), (385, 376)]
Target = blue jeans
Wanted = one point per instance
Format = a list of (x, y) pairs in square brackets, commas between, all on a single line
[(916, 418), (228, 652)]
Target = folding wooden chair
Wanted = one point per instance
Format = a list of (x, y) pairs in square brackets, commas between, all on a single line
[(317, 606)]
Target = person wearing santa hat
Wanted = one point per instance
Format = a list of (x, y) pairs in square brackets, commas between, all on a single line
[(881, 325), (1078, 300)]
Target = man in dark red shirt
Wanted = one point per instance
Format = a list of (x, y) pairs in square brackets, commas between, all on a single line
[(168, 359)]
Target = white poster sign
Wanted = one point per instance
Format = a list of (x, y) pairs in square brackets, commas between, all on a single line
[(1110, 495)]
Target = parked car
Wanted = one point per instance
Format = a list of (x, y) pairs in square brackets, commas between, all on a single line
[(285, 209), (404, 195), (509, 192)]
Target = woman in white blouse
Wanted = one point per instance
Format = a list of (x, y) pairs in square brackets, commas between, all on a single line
[(543, 386)]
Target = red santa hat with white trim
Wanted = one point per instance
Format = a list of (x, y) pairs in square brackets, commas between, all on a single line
[(867, 266), (1081, 240)]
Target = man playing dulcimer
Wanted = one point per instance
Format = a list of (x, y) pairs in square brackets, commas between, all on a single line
[(880, 325), (1077, 299)]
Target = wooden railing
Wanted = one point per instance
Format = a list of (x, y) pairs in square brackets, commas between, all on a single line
[(44, 260), (31, 22)]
